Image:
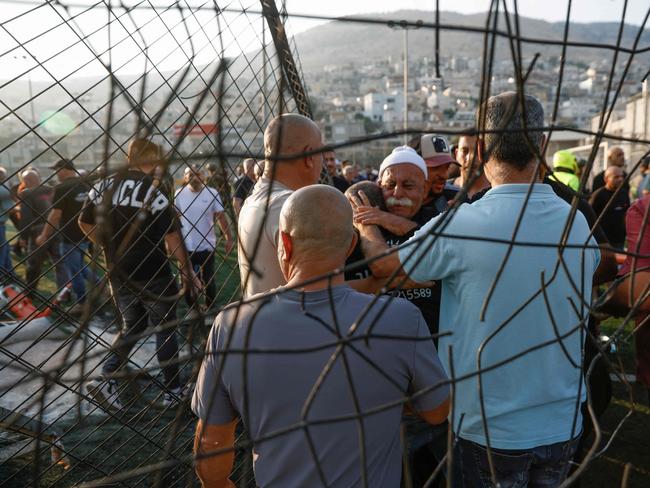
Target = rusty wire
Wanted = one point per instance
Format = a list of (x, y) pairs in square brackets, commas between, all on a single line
[(185, 99)]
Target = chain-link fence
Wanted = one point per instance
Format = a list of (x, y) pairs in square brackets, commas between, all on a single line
[(112, 113)]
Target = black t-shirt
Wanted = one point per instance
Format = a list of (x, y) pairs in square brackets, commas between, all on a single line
[(440, 202), (340, 183), (613, 220), (134, 201), (427, 299), (567, 194), (243, 187), (34, 209), (69, 197), (599, 182)]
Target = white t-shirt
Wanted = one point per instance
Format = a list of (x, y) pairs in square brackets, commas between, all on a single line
[(197, 211)]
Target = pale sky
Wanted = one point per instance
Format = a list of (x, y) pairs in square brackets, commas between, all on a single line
[(239, 32), (550, 10)]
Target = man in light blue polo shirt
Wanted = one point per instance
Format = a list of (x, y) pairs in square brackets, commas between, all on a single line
[(525, 403)]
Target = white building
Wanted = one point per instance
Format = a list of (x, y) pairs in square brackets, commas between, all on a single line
[(634, 123), (379, 107)]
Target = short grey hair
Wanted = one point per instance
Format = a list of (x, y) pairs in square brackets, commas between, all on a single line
[(503, 112), (248, 164)]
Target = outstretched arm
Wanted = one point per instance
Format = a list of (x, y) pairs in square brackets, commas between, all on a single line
[(372, 245)]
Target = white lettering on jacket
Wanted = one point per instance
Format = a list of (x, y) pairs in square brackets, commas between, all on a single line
[(126, 195)]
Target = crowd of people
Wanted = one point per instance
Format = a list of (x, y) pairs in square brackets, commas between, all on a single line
[(368, 301), (327, 276), (45, 219)]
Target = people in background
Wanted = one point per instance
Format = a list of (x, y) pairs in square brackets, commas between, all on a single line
[(471, 172), (7, 207), (435, 151), (244, 185), (350, 174), (339, 182), (640, 184), (615, 157), (35, 205), (565, 169), (199, 207), (610, 204), (632, 291), (68, 199)]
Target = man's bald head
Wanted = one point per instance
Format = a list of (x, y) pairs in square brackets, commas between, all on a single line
[(319, 220), (616, 157), (30, 178), (288, 135), (372, 190), (291, 144), (614, 177)]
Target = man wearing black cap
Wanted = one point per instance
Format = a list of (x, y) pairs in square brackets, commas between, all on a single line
[(69, 196)]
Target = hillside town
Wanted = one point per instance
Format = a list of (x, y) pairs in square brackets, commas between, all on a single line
[(354, 101)]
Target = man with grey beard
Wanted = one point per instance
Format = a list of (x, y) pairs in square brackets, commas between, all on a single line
[(402, 180), (403, 183)]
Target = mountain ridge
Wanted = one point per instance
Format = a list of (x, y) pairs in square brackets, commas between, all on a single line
[(340, 42)]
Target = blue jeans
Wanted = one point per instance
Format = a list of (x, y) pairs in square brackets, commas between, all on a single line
[(5, 256), (73, 259), (542, 466)]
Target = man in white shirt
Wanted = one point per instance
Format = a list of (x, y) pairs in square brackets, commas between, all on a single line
[(199, 206)]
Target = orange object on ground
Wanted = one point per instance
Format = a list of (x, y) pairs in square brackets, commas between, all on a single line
[(19, 304)]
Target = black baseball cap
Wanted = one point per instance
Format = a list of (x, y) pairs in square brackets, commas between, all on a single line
[(63, 164)]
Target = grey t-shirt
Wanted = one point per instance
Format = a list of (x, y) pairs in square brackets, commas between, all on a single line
[(258, 228), (291, 338)]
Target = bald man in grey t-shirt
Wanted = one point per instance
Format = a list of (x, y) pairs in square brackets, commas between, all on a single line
[(296, 392)]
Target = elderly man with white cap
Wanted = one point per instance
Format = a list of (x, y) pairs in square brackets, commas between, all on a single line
[(403, 181)]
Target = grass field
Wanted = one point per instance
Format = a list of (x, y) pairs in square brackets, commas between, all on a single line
[(100, 445)]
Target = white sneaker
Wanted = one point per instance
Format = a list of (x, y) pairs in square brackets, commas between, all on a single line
[(105, 392), (174, 397)]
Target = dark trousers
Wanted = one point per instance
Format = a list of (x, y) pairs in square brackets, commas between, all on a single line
[(203, 264), (36, 257), (542, 466), (140, 311), (426, 445)]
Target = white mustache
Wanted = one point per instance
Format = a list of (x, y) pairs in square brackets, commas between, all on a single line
[(399, 202)]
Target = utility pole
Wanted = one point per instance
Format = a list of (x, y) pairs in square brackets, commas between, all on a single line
[(406, 84), (403, 24), (31, 97)]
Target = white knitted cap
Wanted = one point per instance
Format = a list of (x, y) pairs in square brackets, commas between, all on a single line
[(403, 155)]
